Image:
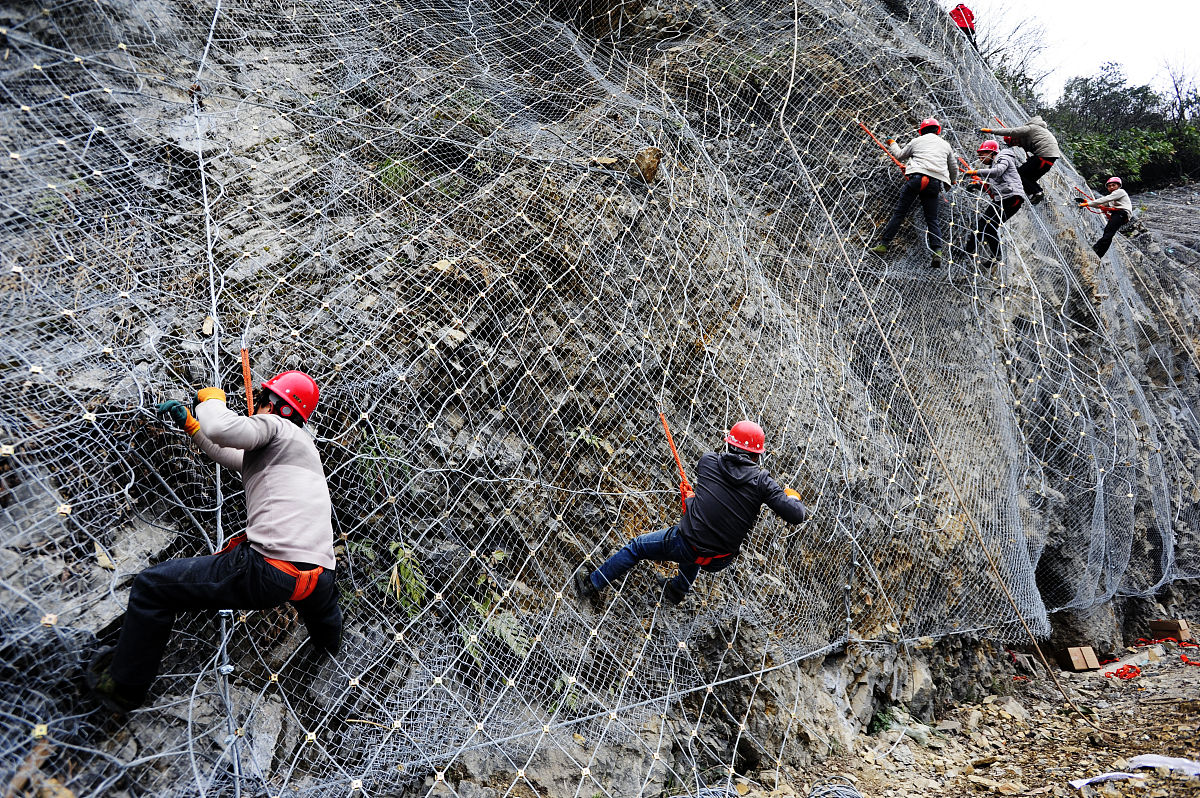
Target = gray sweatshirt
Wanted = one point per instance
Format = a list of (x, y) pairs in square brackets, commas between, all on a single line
[(1002, 175), (1034, 137), (287, 498), (930, 155), (1118, 200)]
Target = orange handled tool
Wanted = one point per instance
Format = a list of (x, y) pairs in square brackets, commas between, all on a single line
[(246, 382), (882, 146), (685, 487)]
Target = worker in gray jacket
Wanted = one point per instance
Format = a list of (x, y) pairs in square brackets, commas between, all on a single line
[(930, 165), (1116, 206), (285, 554), (1039, 144), (1001, 195)]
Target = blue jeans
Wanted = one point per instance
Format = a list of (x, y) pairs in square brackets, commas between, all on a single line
[(239, 578), (665, 545), (909, 194)]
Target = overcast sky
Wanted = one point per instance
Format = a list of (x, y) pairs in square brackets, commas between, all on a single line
[(1141, 35)]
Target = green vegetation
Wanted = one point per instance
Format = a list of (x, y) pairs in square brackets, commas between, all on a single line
[(504, 626), (1147, 137), (591, 439), (399, 175), (406, 581), (881, 721)]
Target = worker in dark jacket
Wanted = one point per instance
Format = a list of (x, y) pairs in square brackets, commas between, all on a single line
[(730, 489)]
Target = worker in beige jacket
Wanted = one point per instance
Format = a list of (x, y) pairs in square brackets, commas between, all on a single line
[(1117, 207), (929, 165), (285, 554)]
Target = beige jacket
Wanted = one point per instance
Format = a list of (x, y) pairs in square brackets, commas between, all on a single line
[(289, 514), (1118, 200), (930, 155)]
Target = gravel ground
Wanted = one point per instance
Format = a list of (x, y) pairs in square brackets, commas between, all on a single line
[(1029, 743)]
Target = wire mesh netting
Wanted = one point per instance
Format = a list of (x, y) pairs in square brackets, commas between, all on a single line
[(502, 237)]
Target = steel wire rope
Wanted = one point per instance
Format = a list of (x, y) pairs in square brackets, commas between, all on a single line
[(225, 668), (912, 396)]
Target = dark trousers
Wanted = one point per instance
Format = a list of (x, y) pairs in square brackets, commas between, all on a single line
[(970, 34), (1032, 170), (1116, 220), (238, 578), (928, 190), (666, 545), (987, 226)]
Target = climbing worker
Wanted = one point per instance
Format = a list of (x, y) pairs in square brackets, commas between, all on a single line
[(965, 20), (1001, 192), (1039, 144), (930, 165), (285, 554), (1116, 205), (731, 487)]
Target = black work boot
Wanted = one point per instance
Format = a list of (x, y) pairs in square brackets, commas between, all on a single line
[(1036, 197), (673, 595), (584, 587), (105, 689)]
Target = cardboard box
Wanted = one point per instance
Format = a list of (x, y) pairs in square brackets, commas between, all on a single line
[(1079, 658), (1171, 628)]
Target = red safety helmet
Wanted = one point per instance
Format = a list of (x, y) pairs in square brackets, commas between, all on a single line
[(988, 146), (747, 436), (297, 389), (1112, 180), (929, 122)]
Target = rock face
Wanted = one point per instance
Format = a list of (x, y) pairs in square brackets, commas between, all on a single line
[(503, 238)]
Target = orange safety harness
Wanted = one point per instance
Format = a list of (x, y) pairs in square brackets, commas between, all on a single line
[(1125, 672), (306, 581), (1143, 642)]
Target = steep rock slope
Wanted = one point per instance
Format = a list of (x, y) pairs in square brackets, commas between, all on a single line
[(502, 237)]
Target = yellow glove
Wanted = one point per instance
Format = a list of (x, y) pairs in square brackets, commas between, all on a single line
[(204, 394), (891, 141), (970, 172), (791, 494), (985, 130)]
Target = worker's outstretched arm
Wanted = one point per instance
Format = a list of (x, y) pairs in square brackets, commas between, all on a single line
[(1098, 201), (786, 507), (223, 434), (1007, 131), (952, 166), (177, 411), (898, 153)]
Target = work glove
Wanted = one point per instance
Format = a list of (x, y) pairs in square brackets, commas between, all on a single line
[(970, 172), (1081, 201), (891, 141), (985, 130), (791, 494), (178, 412), (204, 394)]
